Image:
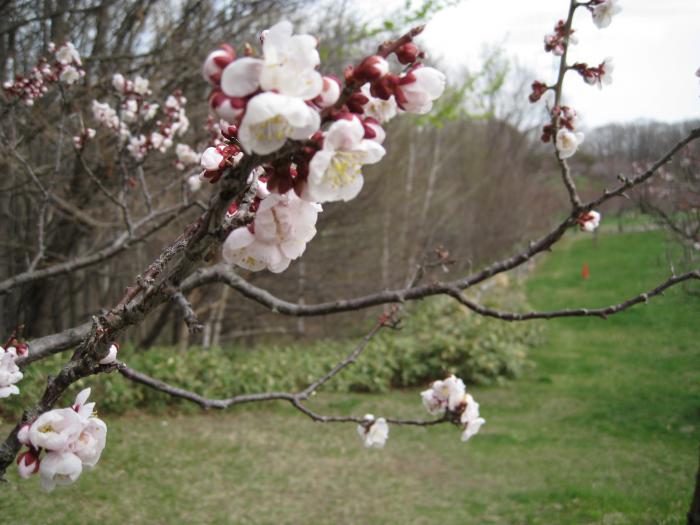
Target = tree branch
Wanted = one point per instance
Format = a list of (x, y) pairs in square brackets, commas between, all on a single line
[(296, 399)]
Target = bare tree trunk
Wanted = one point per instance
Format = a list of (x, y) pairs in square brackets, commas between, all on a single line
[(408, 194), (301, 283), (386, 252), (184, 338), (218, 318), (421, 225)]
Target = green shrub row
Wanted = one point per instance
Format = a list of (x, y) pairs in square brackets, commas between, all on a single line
[(437, 337)]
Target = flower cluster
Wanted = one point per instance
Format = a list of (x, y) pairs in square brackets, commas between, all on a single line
[(373, 432), (72, 438), (449, 398), (9, 371), (135, 111), (263, 102), (66, 68)]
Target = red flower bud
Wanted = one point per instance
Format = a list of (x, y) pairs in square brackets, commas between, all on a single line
[(408, 53), (371, 68)]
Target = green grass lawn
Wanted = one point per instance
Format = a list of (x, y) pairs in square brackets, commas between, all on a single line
[(603, 429)]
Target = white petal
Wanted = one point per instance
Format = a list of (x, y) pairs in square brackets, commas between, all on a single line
[(237, 239), (472, 428), (293, 248), (82, 397), (344, 134), (431, 80), (241, 77)]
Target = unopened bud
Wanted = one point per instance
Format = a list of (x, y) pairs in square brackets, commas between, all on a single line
[(408, 53)]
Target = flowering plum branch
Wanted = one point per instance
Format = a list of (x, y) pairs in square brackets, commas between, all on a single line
[(288, 139)]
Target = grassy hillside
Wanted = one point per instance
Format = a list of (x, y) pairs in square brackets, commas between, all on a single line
[(604, 429)]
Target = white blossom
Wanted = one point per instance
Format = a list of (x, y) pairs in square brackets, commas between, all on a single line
[(382, 110), (288, 66), (444, 394), (606, 70), (68, 54), (137, 147), (290, 63), (56, 429), (434, 404), (604, 12), (567, 142), (69, 75), (59, 468), (81, 406), (470, 418), (149, 110), (118, 82), (195, 183), (373, 433), (186, 155), (129, 110), (105, 115), (271, 119), (141, 86), (283, 225), (419, 88), (157, 140), (453, 389), (9, 373), (91, 442), (590, 221), (335, 171), (242, 77)]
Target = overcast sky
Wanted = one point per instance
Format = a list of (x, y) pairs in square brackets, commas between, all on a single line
[(655, 45)]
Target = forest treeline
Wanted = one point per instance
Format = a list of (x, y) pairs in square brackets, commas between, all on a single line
[(463, 188)]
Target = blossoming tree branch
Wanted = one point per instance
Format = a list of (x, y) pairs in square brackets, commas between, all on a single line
[(284, 140)]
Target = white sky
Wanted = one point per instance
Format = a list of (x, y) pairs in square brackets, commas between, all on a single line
[(655, 45)]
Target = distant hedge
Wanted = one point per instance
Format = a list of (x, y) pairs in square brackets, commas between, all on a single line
[(438, 336)]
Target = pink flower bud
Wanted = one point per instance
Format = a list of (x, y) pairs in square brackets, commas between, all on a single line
[(111, 356), (27, 464), (408, 53), (216, 62), (538, 89), (373, 130), (212, 160), (371, 68), (228, 108), (330, 93), (118, 82), (23, 434)]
